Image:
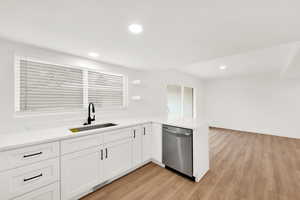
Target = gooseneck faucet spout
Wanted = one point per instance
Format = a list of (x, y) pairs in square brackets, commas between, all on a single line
[(90, 118)]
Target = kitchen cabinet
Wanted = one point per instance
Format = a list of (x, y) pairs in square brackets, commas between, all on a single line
[(146, 142), (157, 143), (84, 169), (80, 171), (85, 162), (136, 146), (117, 158), (70, 167)]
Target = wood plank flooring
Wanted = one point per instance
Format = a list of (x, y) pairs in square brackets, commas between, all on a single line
[(244, 166)]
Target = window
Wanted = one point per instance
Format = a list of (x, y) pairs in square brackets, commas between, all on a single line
[(180, 101), (174, 100), (42, 86), (105, 90), (188, 102)]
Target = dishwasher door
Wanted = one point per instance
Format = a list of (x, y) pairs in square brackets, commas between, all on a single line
[(178, 149)]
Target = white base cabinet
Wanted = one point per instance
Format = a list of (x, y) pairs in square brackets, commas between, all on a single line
[(146, 142), (136, 146), (157, 143), (119, 152), (71, 168), (80, 171)]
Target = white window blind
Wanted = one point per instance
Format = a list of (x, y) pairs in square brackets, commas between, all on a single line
[(47, 87), (105, 90)]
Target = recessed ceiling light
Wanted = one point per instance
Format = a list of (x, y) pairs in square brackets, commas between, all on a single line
[(93, 54), (135, 28), (222, 67)]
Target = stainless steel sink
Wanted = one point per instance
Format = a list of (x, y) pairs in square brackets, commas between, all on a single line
[(92, 127)]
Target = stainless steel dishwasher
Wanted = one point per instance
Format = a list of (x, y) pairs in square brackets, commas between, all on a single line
[(178, 149)]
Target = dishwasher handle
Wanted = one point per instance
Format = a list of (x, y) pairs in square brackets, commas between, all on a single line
[(178, 134)]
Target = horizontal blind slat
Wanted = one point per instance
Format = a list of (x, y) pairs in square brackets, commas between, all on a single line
[(45, 86), (105, 90)]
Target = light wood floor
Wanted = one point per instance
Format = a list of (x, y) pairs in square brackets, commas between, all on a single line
[(244, 166)]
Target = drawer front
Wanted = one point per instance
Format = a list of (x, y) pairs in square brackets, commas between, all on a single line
[(118, 135), (80, 143), (28, 155), (21, 180), (50, 192)]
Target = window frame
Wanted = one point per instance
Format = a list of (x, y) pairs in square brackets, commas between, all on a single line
[(85, 70), (182, 99)]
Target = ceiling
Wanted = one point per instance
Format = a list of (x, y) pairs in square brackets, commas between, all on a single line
[(177, 34), (274, 60)]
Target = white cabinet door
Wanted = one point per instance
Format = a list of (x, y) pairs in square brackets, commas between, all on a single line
[(117, 158), (80, 171), (146, 142), (136, 146), (157, 142)]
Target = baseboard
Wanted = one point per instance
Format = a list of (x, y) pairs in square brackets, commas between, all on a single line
[(158, 163), (199, 177), (127, 172), (101, 185)]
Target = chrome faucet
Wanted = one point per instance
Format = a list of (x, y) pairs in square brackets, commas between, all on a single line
[(90, 119)]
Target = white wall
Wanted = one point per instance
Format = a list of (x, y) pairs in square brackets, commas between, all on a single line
[(152, 89), (264, 104)]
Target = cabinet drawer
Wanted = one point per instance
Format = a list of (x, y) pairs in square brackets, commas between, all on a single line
[(28, 155), (118, 135), (80, 143), (50, 192), (21, 180)]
